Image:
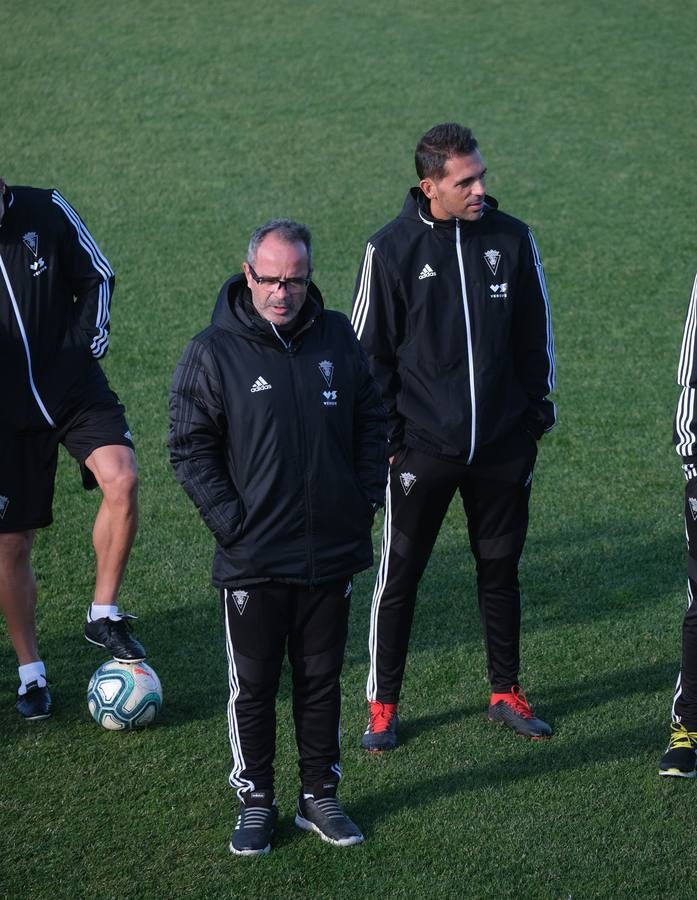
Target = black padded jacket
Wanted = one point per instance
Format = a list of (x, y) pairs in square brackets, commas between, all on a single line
[(280, 442)]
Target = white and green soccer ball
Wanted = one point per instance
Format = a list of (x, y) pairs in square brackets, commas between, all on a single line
[(122, 696)]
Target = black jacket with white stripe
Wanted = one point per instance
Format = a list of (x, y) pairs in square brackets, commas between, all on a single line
[(685, 430), (279, 439), (455, 319), (55, 294)]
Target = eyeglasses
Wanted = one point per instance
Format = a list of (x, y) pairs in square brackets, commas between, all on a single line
[(293, 285)]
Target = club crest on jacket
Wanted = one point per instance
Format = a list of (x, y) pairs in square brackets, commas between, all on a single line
[(327, 369), (493, 258)]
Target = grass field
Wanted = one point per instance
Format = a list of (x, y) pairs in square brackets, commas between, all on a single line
[(176, 128)]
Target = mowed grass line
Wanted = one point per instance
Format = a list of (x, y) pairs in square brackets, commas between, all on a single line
[(174, 130)]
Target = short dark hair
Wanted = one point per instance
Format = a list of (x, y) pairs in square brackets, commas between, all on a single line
[(438, 145), (288, 230)]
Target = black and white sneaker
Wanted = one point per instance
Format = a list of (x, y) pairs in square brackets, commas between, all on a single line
[(36, 704), (327, 818), (115, 635), (680, 758), (255, 824)]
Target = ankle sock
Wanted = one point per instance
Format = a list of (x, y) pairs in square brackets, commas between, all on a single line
[(102, 611), (33, 671)]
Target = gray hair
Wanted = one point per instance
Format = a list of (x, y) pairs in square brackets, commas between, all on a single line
[(288, 230)]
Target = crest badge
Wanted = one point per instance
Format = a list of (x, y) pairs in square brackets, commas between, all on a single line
[(240, 599), (327, 369), (693, 507), (31, 242), (493, 258), (408, 480)]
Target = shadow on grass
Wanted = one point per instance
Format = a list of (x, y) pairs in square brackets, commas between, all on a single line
[(589, 752), (571, 697), (410, 729), (552, 759), (569, 751)]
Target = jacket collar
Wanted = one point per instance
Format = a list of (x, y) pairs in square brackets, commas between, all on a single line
[(234, 312), (417, 204)]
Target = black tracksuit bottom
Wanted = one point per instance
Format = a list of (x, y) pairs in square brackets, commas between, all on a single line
[(259, 620), (495, 493), (685, 699)]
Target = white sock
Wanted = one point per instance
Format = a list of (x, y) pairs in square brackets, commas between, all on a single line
[(33, 671), (103, 611)]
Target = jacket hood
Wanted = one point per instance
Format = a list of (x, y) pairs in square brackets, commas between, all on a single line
[(233, 311), (416, 206)]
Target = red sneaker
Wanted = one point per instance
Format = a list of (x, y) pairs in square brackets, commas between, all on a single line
[(513, 709), (381, 733)]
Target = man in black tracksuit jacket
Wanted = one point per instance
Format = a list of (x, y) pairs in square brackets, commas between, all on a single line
[(55, 296), (680, 757), (278, 436), (451, 308)]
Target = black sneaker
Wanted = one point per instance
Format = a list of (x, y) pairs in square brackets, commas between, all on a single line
[(255, 824), (36, 703), (327, 818), (680, 758), (116, 637), (381, 733), (512, 709)]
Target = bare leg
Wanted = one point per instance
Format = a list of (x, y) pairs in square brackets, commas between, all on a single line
[(116, 524), (18, 594)]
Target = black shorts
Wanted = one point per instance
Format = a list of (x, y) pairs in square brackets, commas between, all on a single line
[(28, 459)]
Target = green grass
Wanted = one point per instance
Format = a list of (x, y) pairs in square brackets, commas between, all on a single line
[(175, 129)]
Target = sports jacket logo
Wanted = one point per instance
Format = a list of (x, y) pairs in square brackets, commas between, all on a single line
[(38, 266), (693, 507), (329, 398), (408, 481), (327, 369), (31, 241), (240, 598), (261, 384), (493, 258), (4, 503), (499, 290), (427, 272)]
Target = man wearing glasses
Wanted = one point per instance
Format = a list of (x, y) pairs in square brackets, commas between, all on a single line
[(278, 436)]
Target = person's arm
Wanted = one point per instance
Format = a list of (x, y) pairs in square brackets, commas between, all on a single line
[(535, 340), (198, 442), (377, 319), (91, 278), (370, 433), (685, 431)]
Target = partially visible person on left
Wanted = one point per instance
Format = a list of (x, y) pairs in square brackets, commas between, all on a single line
[(55, 296)]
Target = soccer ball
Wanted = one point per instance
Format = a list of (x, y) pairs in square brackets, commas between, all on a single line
[(122, 696)]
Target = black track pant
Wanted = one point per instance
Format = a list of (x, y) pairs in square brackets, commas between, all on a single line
[(258, 622), (685, 699), (495, 495)]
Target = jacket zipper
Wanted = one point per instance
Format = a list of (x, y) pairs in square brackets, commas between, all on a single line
[(303, 442), (468, 327), (15, 307)]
